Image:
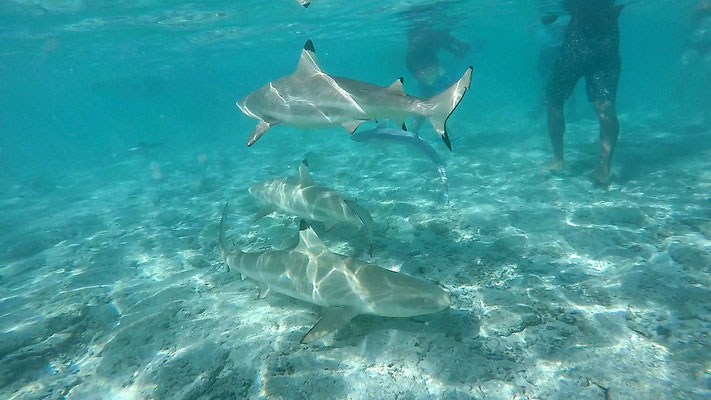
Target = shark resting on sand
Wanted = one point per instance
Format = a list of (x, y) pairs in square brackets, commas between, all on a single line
[(311, 98), (344, 286), (301, 196), (383, 135)]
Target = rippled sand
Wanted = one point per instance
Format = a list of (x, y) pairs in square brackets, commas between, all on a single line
[(112, 284)]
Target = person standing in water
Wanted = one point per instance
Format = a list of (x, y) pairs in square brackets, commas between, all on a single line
[(591, 50), (549, 39)]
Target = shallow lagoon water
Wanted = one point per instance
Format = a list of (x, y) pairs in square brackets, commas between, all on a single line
[(121, 142)]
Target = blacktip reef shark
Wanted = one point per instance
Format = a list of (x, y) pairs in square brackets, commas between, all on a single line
[(304, 3), (311, 98), (345, 286), (382, 135), (301, 196)]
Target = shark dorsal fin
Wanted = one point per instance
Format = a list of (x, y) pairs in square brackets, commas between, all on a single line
[(397, 86), (304, 176), (308, 240), (308, 64)]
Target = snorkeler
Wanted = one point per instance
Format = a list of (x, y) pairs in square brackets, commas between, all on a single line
[(424, 43), (421, 60), (591, 50)]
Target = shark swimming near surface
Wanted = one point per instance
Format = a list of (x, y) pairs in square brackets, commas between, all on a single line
[(344, 286), (382, 135), (304, 3), (301, 196), (311, 98)]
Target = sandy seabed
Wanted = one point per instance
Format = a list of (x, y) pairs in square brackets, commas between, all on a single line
[(112, 286)]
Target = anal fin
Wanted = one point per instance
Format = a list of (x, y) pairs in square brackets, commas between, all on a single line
[(332, 320)]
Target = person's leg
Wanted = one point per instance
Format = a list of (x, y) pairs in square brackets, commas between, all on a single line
[(609, 133), (602, 90), (564, 76), (556, 131)]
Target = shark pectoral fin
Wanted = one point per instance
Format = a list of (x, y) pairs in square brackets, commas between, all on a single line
[(264, 291), (332, 320), (266, 210), (351, 126), (397, 86), (258, 131)]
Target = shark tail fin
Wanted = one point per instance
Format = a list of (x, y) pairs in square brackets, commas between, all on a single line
[(445, 103), (366, 220), (364, 216), (225, 248), (221, 235)]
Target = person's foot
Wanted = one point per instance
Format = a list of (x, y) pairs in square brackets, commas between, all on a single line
[(554, 165), (601, 176)]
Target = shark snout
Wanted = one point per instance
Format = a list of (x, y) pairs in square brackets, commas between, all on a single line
[(242, 105)]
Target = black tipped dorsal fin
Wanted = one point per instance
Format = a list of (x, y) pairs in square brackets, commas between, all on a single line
[(397, 85), (304, 176), (308, 63)]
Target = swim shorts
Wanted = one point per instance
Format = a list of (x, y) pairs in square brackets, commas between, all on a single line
[(596, 59)]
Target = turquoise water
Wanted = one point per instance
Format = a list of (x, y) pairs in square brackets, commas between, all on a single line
[(120, 142)]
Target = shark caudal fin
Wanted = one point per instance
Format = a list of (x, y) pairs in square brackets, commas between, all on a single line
[(445, 103), (221, 234)]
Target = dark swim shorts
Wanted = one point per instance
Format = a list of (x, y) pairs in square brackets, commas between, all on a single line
[(598, 60)]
